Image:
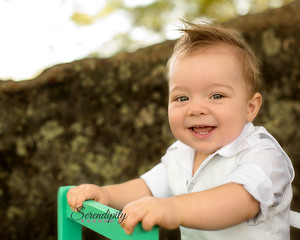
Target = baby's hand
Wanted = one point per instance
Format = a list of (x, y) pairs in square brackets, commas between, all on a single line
[(151, 211), (77, 195)]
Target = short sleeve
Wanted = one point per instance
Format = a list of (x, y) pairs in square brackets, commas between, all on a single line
[(265, 175), (157, 181)]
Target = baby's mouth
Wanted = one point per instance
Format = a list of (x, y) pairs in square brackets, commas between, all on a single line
[(202, 130)]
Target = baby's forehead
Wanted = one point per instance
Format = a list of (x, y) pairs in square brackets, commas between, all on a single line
[(220, 48)]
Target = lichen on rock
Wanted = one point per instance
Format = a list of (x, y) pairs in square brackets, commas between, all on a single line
[(271, 44)]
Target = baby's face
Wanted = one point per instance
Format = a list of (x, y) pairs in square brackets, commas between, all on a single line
[(208, 104)]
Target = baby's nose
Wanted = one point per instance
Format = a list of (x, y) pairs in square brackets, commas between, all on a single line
[(197, 108)]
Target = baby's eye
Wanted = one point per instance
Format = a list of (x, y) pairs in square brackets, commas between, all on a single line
[(182, 99), (217, 96)]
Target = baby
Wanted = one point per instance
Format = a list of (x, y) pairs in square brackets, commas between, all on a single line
[(223, 178)]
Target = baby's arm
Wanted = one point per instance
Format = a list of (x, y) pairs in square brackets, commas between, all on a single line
[(217, 208), (116, 196), (212, 209)]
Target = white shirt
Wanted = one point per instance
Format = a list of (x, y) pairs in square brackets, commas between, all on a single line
[(255, 160)]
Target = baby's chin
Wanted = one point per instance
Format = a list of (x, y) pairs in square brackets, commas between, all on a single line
[(205, 149)]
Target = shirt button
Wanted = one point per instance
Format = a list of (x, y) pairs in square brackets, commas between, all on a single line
[(191, 186)]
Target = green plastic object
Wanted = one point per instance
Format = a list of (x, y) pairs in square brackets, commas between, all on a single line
[(95, 216)]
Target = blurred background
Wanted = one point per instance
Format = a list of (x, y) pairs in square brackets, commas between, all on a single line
[(38, 34)]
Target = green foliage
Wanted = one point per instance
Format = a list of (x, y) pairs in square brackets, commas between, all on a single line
[(81, 18), (153, 15), (159, 16), (156, 14)]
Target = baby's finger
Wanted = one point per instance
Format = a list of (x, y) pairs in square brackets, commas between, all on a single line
[(72, 196), (80, 198), (134, 215), (149, 221)]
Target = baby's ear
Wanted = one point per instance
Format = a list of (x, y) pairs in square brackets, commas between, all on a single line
[(253, 106)]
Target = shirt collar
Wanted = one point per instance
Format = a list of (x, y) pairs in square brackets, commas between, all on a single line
[(186, 154), (239, 144)]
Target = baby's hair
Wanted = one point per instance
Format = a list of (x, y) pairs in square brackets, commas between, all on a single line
[(196, 36)]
